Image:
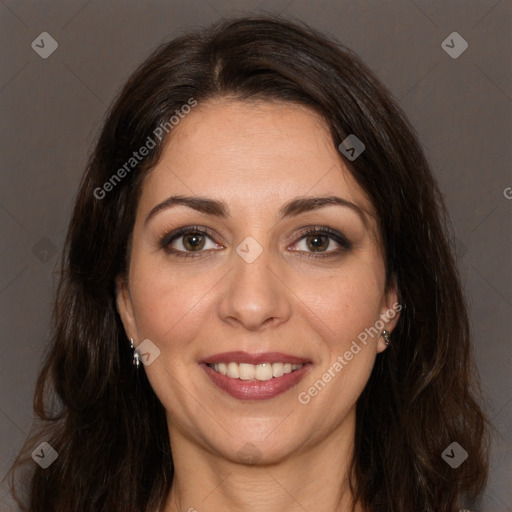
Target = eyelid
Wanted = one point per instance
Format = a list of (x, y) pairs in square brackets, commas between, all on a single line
[(336, 236), (168, 238)]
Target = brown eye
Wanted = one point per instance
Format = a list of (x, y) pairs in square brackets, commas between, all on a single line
[(322, 242), (193, 241), (189, 241), (317, 243)]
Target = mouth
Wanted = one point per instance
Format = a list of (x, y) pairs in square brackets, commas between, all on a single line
[(255, 376), (262, 371)]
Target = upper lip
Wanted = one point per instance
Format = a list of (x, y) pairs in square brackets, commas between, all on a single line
[(246, 357)]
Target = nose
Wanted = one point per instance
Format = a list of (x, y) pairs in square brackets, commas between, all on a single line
[(255, 296)]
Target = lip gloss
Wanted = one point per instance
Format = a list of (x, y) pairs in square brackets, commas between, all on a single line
[(255, 389)]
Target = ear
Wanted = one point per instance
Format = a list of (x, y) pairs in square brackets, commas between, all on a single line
[(125, 307), (389, 315)]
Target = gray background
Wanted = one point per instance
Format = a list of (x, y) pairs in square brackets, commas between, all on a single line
[(52, 109)]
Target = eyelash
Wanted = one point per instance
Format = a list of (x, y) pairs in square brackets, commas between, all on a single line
[(166, 240)]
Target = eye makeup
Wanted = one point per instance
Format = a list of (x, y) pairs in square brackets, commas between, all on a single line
[(197, 235)]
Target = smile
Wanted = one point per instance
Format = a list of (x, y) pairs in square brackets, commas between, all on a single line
[(262, 372), (262, 376)]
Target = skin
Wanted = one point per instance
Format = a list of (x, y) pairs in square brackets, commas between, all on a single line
[(255, 156)]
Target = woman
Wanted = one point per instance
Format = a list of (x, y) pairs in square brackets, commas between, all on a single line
[(259, 233)]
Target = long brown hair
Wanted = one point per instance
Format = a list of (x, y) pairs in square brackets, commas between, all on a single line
[(103, 418)]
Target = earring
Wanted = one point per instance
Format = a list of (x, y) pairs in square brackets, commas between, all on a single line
[(136, 356), (385, 335)]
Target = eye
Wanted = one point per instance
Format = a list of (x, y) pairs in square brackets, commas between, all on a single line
[(188, 240), (192, 241), (319, 242)]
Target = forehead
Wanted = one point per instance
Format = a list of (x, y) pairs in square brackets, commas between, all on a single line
[(251, 154)]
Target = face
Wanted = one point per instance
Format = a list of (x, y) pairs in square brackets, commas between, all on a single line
[(255, 273)]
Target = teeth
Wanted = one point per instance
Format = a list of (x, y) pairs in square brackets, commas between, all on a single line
[(246, 371), (263, 371), (232, 371), (277, 370)]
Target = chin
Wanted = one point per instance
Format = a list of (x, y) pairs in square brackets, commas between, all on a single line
[(255, 449)]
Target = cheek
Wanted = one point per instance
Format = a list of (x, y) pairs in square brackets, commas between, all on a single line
[(345, 304), (341, 313), (168, 305)]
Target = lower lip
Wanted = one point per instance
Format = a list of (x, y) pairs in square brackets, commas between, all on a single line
[(256, 389)]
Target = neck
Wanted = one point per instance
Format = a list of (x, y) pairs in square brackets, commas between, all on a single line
[(310, 478)]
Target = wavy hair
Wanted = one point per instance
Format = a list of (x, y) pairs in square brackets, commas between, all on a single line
[(104, 419)]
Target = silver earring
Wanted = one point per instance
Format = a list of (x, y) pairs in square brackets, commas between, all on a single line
[(136, 356), (385, 335)]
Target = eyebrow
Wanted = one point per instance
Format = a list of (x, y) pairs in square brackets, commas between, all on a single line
[(291, 208)]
